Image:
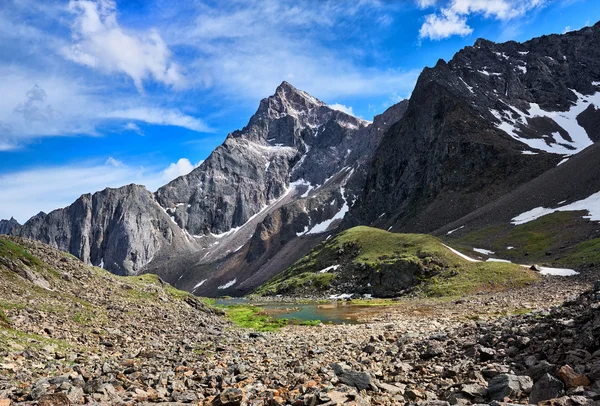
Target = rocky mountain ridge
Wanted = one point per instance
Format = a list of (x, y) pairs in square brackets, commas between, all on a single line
[(296, 154), (492, 118)]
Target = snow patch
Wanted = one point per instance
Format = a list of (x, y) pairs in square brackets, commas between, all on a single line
[(456, 229), (562, 162), (199, 284), (510, 247), (228, 284), (590, 204), (468, 87), (483, 251), (460, 254), (486, 73), (498, 260), (565, 119), (558, 271), (342, 296), (329, 268)]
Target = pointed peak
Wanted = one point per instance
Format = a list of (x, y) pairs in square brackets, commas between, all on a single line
[(285, 91), (285, 85)]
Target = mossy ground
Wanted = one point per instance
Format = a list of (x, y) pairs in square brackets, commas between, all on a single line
[(377, 248), (253, 317)]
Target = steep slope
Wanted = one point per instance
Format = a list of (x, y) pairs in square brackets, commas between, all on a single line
[(7, 225), (369, 261), (553, 219), (492, 118)]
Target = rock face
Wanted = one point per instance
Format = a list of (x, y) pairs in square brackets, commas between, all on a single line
[(493, 117), (117, 229), (7, 225)]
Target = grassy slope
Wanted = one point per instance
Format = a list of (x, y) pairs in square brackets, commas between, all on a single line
[(553, 239), (449, 274), (63, 302)]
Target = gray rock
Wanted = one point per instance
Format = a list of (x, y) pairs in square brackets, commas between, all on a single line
[(508, 386), (231, 397), (359, 380), (547, 387), (474, 390)]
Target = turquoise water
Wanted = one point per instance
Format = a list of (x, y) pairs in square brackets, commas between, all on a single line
[(333, 312)]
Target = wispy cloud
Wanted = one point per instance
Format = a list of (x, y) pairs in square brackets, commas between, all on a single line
[(245, 49), (160, 116), (453, 18), (182, 167)]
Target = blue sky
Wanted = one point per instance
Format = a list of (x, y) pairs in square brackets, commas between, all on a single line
[(104, 93)]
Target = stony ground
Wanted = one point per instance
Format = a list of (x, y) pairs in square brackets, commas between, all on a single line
[(71, 334)]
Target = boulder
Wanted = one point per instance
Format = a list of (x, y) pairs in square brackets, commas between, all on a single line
[(360, 380), (572, 379), (508, 386), (547, 387)]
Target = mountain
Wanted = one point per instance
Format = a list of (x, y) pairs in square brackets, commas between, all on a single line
[(292, 171), (477, 127), (494, 121), (7, 225)]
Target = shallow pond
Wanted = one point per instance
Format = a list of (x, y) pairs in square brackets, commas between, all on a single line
[(336, 312)]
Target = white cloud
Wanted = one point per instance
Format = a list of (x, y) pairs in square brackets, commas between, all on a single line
[(34, 105), (180, 168), (26, 193), (426, 3), (161, 117), (444, 26), (342, 108), (100, 42), (452, 19), (133, 127)]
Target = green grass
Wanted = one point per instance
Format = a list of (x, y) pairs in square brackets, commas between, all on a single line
[(587, 252), (4, 320), (553, 239), (439, 272), (253, 317), (9, 337), (9, 249), (480, 276), (311, 323)]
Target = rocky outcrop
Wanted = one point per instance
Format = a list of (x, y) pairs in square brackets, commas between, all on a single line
[(117, 229), (7, 225)]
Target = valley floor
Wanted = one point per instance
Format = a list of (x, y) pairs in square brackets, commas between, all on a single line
[(464, 351)]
